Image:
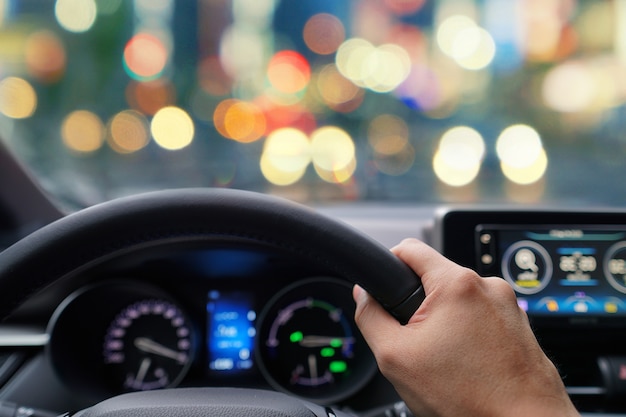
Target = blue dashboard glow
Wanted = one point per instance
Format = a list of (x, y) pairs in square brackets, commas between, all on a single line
[(230, 331)]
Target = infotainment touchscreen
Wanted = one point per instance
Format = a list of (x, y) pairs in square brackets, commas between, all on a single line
[(558, 270)]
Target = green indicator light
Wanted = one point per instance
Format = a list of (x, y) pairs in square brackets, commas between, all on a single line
[(328, 352), (336, 343), (338, 367), (296, 337)]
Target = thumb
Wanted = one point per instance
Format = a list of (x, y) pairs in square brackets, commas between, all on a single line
[(376, 324)]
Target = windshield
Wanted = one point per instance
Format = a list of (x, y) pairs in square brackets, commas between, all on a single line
[(319, 100)]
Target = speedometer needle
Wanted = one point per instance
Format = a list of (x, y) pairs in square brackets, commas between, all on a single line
[(150, 346), (320, 341)]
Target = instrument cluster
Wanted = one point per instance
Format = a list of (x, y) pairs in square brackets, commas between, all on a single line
[(127, 335)]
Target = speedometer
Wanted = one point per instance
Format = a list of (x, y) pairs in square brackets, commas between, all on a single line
[(148, 346), (308, 344)]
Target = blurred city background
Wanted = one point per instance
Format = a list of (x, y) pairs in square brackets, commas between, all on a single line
[(465, 101)]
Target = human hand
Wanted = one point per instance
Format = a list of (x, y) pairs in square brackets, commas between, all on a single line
[(467, 351)]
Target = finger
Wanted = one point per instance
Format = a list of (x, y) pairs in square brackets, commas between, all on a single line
[(376, 324), (429, 264)]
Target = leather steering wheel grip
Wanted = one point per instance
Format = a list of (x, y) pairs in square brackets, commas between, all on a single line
[(98, 233)]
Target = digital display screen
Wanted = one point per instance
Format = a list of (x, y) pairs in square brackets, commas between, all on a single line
[(558, 270), (230, 331)]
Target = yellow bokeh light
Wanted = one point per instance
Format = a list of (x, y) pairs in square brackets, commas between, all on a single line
[(569, 87), (459, 157), (474, 48), (453, 175), (388, 66), (18, 99), (519, 146), (337, 92), (172, 128), (449, 31), (462, 147), (331, 148), (381, 69), (82, 131), (337, 176), (471, 46), (286, 155), (76, 15), (128, 132), (351, 59), (529, 174)]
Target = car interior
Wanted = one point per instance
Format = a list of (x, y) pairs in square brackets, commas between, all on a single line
[(189, 191)]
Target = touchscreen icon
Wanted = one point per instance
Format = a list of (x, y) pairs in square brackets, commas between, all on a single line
[(525, 259), (527, 266)]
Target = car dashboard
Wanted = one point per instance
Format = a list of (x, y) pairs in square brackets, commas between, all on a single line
[(188, 315)]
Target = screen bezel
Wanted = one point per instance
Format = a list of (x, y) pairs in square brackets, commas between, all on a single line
[(455, 232)]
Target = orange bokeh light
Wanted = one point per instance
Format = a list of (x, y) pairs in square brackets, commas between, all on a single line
[(45, 57), (289, 72), (239, 120), (150, 97)]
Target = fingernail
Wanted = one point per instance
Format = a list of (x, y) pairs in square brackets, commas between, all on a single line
[(358, 293)]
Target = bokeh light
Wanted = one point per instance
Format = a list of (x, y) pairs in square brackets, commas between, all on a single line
[(459, 156), (145, 57), (471, 46), (18, 99), (82, 131), (286, 155), (172, 128), (149, 97), (449, 31), (76, 15), (296, 116), (128, 132), (388, 136), (323, 33), (239, 120), (289, 72), (522, 157), (569, 87), (380, 69), (337, 92), (337, 176), (45, 56), (519, 146), (332, 148), (474, 48), (529, 174)]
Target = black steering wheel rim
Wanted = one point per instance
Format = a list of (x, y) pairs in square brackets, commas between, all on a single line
[(101, 232), (87, 238)]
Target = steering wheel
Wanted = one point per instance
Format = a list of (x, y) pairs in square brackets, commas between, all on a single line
[(87, 238)]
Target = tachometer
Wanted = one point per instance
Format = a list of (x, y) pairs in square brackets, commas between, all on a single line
[(148, 346), (308, 344)]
